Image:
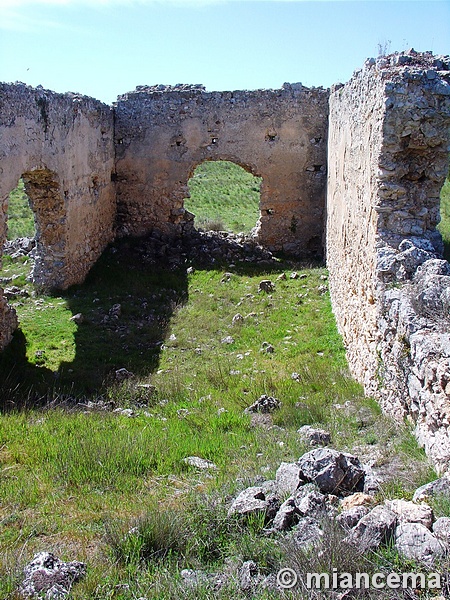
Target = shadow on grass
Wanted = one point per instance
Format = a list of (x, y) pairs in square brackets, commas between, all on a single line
[(127, 303), (126, 308)]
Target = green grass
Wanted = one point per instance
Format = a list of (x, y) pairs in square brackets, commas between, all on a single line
[(20, 215), (223, 196), (113, 490), (77, 478), (444, 225)]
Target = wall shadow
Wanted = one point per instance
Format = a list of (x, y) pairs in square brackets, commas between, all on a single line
[(126, 305), (123, 313)]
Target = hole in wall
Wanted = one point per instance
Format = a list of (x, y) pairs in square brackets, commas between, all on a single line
[(20, 216), (30, 207), (224, 197)]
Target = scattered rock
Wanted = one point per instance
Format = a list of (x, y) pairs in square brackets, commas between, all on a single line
[(282, 277), (438, 487), (314, 437), (375, 528), (126, 412), (409, 512), (332, 471), (249, 576), (307, 534), (193, 579), (357, 499), (255, 500), (441, 530), (14, 291), (78, 318), (122, 374), (310, 502), (19, 247), (350, 517), (265, 285), (48, 575), (199, 463), (115, 311), (227, 340), (287, 516), (264, 404), (415, 541), (267, 348), (238, 319), (287, 478)]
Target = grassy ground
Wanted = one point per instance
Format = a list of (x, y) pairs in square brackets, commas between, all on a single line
[(224, 197), (444, 225), (20, 215), (111, 488)]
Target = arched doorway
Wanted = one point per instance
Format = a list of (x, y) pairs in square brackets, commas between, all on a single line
[(20, 223), (224, 197)]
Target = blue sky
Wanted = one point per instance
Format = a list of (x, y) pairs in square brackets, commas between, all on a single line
[(103, 48)]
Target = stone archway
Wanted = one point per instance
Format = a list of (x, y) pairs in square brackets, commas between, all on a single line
[(43, 189)]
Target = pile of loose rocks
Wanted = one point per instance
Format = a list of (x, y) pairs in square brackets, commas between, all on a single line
[(325, 484), (20, 247), (203, 248), (326, 487)]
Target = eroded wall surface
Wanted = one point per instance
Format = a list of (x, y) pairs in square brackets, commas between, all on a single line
[(162, 133), (62, 146), (387, 160)]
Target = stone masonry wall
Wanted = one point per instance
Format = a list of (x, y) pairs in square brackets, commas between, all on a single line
[(92, 172), (62, 146), (162, 133), (387, 160)]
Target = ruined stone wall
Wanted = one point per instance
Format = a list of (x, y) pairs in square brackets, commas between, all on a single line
[(62, 145), (387, 160), (163, 133)]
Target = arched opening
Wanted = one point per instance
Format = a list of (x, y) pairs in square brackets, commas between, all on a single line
[(20, 215), (36, 224), (224, 197), (19, 247)]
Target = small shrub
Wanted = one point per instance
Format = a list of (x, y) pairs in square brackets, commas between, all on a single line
[(157, 535), (211, 224)]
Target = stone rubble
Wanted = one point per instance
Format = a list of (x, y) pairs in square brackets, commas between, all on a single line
[(48, 577), (303, 515), (265, 404)]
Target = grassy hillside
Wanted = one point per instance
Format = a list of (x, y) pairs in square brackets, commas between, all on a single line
[(223, 196)]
